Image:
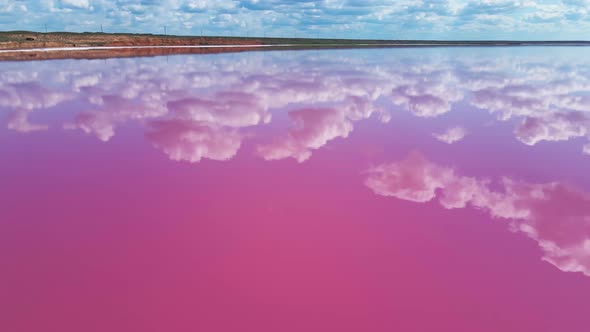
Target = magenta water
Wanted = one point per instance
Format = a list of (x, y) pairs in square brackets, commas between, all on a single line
[(421, 189)]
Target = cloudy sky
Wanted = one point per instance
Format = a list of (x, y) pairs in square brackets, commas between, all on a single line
[(404, 19)]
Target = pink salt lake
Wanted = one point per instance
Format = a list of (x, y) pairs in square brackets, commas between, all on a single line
[(339, 190)]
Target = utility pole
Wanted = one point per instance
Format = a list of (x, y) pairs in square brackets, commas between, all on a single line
[(101, 28), (164, 30), (45, 28)]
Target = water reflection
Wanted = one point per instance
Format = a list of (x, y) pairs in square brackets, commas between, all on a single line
[(315, 127), (556, 215), (166, 172), (23, 98), (546, 95), (451, 135), (191, 140)]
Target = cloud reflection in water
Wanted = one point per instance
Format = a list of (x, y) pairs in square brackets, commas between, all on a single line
[(554, 214), (547, 96), (205, 107)]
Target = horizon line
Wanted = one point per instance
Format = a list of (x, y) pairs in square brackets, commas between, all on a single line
[(304, 38)]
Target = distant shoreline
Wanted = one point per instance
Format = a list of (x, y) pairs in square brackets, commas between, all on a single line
[(25, 45)]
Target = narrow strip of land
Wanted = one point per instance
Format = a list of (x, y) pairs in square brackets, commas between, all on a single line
[(25, 45), (92, 48)]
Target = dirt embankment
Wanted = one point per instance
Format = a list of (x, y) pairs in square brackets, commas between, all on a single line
[(26, 40), (19, 40), (116, 53), (32, 40)]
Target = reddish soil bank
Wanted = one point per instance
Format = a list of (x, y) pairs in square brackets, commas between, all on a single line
[(23, 40), (29, 40), (117, 53)]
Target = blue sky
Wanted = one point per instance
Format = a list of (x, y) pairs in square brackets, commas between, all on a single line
[(427, 19)]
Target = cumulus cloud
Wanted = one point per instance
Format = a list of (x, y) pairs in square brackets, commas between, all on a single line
[(76, 3), (450, 19), (555, 126), (451, 135), (23, 97), (548, 96), (192, 141), (411, 180), (431, 91), (112, 110), (30, 96), (314, 128), (19, 121), (221, 94), (235, 109), (545, 98), (555, 215)]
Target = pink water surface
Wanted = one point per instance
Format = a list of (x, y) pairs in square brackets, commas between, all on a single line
[(356, 190)]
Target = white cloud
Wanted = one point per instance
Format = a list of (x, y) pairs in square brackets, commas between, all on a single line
[(545, 96), (76, 3), (427, 92), (451, 135), (411, 180), (192, 141), (24, 97), (555, 126), (315, 127), (19, 121), (438, 19), (555, 215)]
